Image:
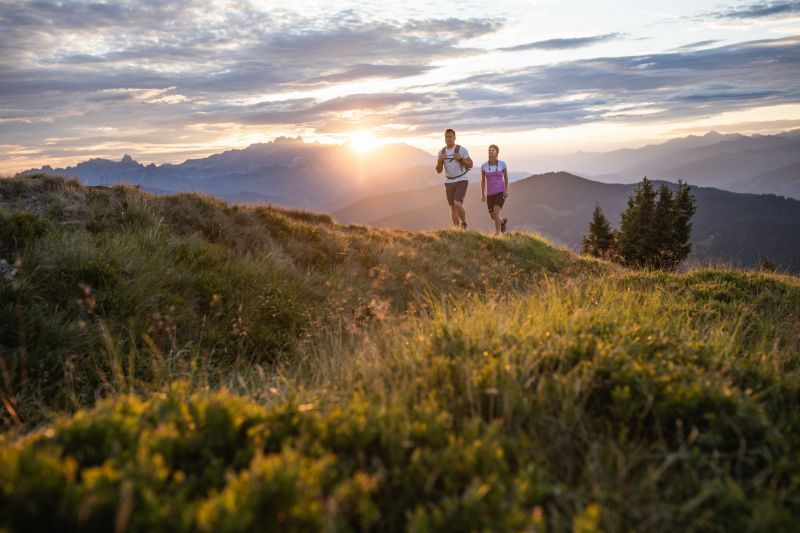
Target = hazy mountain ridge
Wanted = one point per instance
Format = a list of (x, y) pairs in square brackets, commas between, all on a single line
[(784, 181), (287, 171), (290, 172), (728, 161)]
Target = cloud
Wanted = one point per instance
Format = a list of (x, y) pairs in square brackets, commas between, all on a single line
[(694, 46), (366, 71), (211, 50), (667, 86), (315, 114), (66, 67), (759, 10), (565, 43), (159, 72)]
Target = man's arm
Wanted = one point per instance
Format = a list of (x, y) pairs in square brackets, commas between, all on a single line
[(440, 162)]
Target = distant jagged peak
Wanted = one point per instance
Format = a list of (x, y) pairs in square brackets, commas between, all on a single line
[(126, 159), (287, 140)]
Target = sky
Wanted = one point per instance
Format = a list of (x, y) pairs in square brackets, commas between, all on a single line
[(166, 82)]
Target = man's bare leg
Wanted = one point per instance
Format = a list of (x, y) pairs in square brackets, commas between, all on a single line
[(454, 215), (461, 212)]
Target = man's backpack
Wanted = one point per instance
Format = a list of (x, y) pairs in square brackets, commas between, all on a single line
[(460, 162)]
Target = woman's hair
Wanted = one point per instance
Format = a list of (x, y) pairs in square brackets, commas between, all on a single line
[(449, 130), (496, 148)]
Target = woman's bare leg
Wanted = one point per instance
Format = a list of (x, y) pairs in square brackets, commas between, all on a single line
[(498, 220)]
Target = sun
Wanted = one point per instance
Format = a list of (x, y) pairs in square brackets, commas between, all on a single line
[(363, 141)]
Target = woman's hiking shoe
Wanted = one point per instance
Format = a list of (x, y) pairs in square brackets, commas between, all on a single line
[(503, 225), (463, 225)]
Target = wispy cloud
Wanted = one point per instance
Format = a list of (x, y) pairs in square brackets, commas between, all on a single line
[(759, 10), (695, 45), (76, 46), (668, 86), (565, 43)]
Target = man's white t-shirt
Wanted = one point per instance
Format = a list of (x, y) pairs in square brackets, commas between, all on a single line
[(452, 167)]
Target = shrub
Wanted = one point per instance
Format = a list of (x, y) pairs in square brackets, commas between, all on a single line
[(20, 229)]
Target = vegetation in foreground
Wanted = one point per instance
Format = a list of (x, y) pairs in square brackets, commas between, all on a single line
[(598, 400)]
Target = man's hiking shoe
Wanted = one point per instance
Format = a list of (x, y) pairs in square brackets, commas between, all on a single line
[(463, 225), (503, 225)]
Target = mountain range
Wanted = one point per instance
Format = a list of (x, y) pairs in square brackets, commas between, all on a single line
[(729, 228), (286, 171), (290, 172), (760, 163)]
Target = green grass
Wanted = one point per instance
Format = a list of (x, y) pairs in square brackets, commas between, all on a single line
[(423, 381), (119, 289)]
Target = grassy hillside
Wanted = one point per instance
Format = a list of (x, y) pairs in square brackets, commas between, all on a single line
[(118, 285), (502, 386)]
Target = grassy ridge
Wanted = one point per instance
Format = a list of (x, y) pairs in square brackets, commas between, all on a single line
[(119, 288), (586, 399)]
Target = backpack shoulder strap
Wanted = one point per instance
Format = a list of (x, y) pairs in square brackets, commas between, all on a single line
[(460, 162)]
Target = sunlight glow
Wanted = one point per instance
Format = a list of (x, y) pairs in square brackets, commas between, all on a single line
[(363, 141)]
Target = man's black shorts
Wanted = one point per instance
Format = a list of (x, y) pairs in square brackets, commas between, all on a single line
[(456, 191), (495, 200)]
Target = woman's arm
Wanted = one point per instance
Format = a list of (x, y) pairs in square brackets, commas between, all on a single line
[(483, 184), (505, 177)]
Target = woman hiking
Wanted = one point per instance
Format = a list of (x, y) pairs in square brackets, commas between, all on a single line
[(494, 187)]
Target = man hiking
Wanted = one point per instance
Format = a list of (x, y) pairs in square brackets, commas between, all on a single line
[(456, 163)]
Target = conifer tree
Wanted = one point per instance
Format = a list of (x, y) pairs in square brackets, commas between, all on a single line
[(664, 229), (600, 240), (636, 239), (654, 229), (684, 210)]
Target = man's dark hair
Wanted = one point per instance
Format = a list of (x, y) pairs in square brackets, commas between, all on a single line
[(449, 130)]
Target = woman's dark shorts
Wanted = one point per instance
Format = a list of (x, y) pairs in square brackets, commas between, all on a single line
[(456, 191), (495, 200)]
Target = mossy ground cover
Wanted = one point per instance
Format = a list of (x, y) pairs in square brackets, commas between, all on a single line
[(562, 396)]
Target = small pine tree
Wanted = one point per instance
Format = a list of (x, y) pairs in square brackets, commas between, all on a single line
[(600, 239), (684, 210), (655, 233), (663, 229), (637, 243)]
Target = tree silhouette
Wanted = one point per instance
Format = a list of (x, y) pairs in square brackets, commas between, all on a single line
[(636, 240), (664, 229), (682, 224), (599, 242), (654, 229)]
